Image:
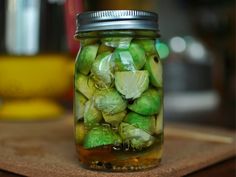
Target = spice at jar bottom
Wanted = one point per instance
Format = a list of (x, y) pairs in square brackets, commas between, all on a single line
[(118, 95)]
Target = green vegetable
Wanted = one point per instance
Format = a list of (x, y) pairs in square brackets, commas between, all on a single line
[(85, 85), (159, 122), (85, 58), (148, 45), (145, 123), (109, 101), (100, 136), (102, 70), (114, 119), (92, 116), (129, 59), (154, 67), (131, 84), (117, 42), (148, 104), (79, 133), (123, 60), (138, 55), (138, 138), (80, 101)]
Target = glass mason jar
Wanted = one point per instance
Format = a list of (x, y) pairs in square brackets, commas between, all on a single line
[(118, 105)]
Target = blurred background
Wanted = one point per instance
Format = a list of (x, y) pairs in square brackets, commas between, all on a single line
[(197, 45)]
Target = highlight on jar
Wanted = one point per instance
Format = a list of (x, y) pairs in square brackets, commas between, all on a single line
[(118, 105)]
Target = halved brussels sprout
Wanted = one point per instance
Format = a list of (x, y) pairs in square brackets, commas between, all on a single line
[(102, 70), (80, 101), (85, 58), (148, 45), (85, 85), (100, 136), (129, 59), (138, 55), (117, 42), (148, 104), (146, 123), (79, 133), (159, 122), (109, 101), (92, 116), (123, 60), (131, 84), (138, 138), (114, 119), (154, 67)]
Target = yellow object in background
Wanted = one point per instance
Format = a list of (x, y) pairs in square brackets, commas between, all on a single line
[(30, 85), (34, 76), (33, 109)]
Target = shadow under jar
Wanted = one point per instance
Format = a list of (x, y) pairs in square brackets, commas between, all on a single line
[(118, 105)]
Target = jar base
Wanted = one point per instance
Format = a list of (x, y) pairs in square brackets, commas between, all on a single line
[(106, 159), (125, 168)]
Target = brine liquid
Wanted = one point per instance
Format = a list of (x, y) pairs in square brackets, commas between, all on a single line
[(123, 158)]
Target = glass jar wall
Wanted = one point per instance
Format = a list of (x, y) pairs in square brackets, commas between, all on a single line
[(118, 105)]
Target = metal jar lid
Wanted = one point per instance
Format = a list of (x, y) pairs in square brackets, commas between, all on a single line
[(116, 20)]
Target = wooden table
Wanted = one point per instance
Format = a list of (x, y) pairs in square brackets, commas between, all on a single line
[(225, 169)]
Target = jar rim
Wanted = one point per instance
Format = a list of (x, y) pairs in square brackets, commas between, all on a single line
[(116, 20)]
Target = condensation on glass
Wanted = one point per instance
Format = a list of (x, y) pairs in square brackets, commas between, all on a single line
[(118, 98)]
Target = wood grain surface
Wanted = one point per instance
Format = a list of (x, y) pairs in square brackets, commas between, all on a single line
[(47, 149)]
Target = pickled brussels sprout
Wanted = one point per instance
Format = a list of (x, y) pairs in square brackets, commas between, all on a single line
[(129, 59), (114, 119), (131, 84), (79, 133), (138, 55), (123, 60), (146, 123), (148, 45), (100, 136), (85, 58), (102, 70), (159, 122), (117, 42), (80, 101), (154, 67), (148, 104), (109, 101), (92, 116), (138, 138), (85, 85)]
